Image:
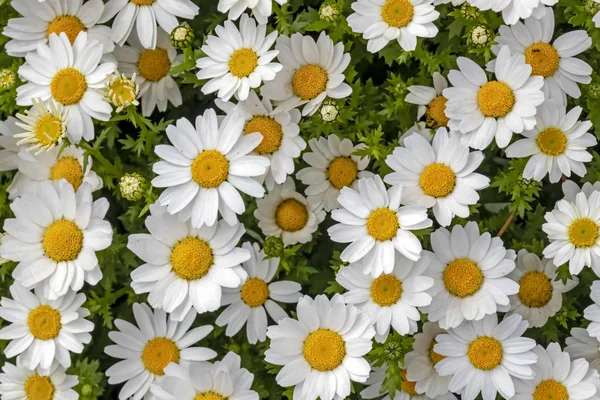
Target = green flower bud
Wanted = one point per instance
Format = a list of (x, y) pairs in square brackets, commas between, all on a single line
[(329, 111), (132, 186), (393, 350), (469, 12), (273, 247), (182, 36), (87, 389), (8, 78), (480, 36), (594, 91), (329, 11), (591, 7)]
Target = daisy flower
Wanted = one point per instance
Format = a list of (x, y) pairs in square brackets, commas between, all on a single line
[(481, 109), (469, 271), (71, 75), (454, 2), (44, 330), (38, 21), (9, 149), (420, 128), (186, 267), (484, 356), (262, 9), (431, 102), (205, 167), (54, 237), (323, 350), (312, 71), (332, 166), (281, 142), (45, 126), (376, 226), (383, 21), (248, 302), (287, 214), (557, 144), (151, 68), (592, 312), (596, 18), (581, 345), (390, 299), (512, 10), (238, 59), (146, 349), (438, 175), (570, 189), (21, 383)]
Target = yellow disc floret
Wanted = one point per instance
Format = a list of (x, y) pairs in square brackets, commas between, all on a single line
[(67, 168), (342, 171), (551, 390), (543, 58), (485, 353), (495, 99), (143, 2), (62, 241), (255, 292), (158, 353), (386, 290), (68, 86), (436, 113), (324, 350), (462, 277), (406, 385), (69, 24), (243, 62), (44, 322), (210, 169), (271, 131), (552, 141), (191, 258), (291, 215), (383, 224), (209, 396), (309, 81), (433, 356), (397, 13), (535, 289), (39, 388), (48, 129), (437, 180), (583, 232), (154, 64)]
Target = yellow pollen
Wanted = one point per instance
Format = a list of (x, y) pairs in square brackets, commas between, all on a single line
[(551, 390), (495, 99), (123, 92), (191, 258), (158, 353), (48, 129), (535, 289), (485, 353), (436, 113), (386, 290), (44, 322), (291, 215), (583, 232), (154, 64), (437, 180), (210, 169), (433, 356), (462, 277), (255, 292), (243, 62), (543, 58), (552, 141), (406, 385), (68, 86), (63, 240), (324, 350), (69, 24), (397, 13), (143, 2), (383, 224), (67, 168), (342, 171), (39, 388), (271, 131), (309, 81), (209, 396)]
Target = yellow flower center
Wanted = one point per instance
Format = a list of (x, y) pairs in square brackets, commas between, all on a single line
[(271, 131), (255, 292), (123, 92), (63, 240), (383, 224), (543, 58), (433, 356), (69, 24), (397, 13), (243, 62), (44, 322), (342, 171), (291, 215), (437, 180), (535, 289), (209, 396), (39, 388), (386, 290), (485, 353), (495, 99), (462, 277), (191, 258), (583, 232), (551, 390), (436, 113), (143, 2), (158, 353), (309, 81), (68, 86), (406, 385), (48, 129), (324, 350), (67, 168), (552, 141), (210, 169), (154, 64)]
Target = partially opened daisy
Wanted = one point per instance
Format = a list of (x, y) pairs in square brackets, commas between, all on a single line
[(592, 312), (9, 150), (484, 357), (71, 75), (43, 331), (54, 237), (206, 166), (21, 383), (581, 345), (469, 271), (323, 350), (248, 302), (238, 59), (261, 9), (146, 349), (512, 10), (437, 175), (312, 71), (45, 126), (431, 102), (376, 226), (482, 110)]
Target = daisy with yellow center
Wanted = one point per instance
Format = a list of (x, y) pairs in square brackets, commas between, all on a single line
[(147, 348), (513, 10), (121, 91), (22, 383), (431, 102), (45, 126)]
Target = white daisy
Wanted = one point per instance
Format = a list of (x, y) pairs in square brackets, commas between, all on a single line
[(186, 267), (482, 109), (151, 68), (248, 302), (312, 71), (570, 189), (596, 18), (45, 126), (205, 167), (146, 349), (431, 101), (454, 2), (55, 236), (287, 214), (21, 383), (438, 175), (592, 312), (238, 60), (420, 128), (376, 226), (390, 299), (262, 9), (512, 10), (484, 356), (581, 345), (469, 271), (71, 75), (323, 350), (44, 330), (9, 150), (281, 142)]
